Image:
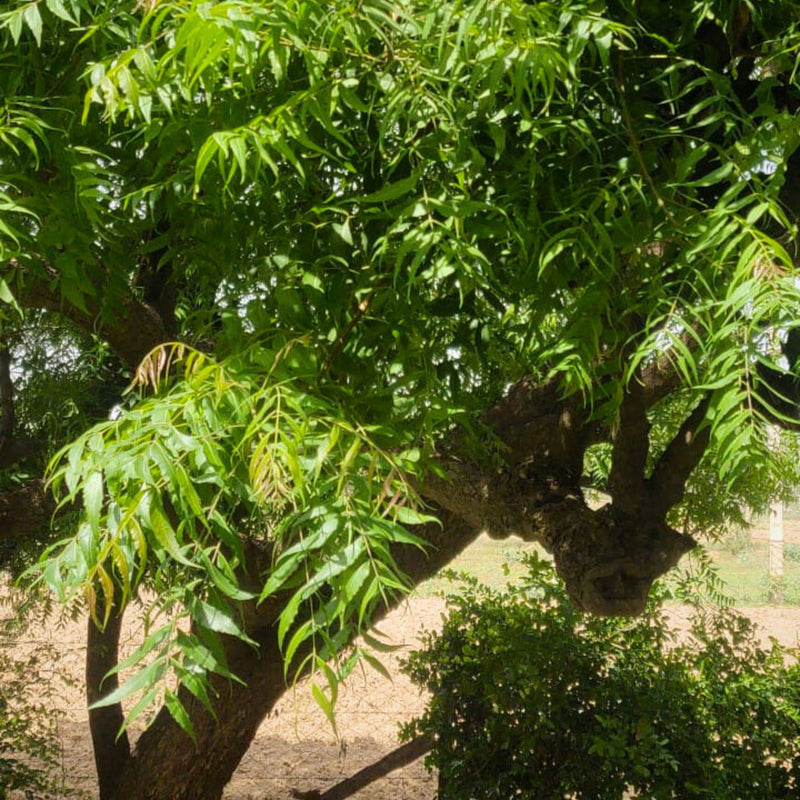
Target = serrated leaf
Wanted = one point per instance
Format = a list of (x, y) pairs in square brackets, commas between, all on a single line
[(304, 632), (376, 644), (222, 582), (178, 712), (150, 644), (336, 564), (157, 523), (377, 665), (215, 619), (145, 701), (325, 704), (58, 9), (410, 516)]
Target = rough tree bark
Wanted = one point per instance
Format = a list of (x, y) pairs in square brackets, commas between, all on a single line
[(166, 764), (111, 749)]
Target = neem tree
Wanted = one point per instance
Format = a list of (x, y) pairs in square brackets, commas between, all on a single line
[(383, 275)]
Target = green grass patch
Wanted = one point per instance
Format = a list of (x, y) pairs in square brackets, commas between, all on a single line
[(746, 574), (744, 568), (492, 561)]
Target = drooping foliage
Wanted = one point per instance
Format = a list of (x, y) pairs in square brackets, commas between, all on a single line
[(179, 488), (363, 223)]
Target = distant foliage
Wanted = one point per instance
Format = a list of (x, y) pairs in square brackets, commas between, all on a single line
[(530, 699), (791, 552)]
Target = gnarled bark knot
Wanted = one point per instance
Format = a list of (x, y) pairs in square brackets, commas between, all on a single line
[(609, 558)]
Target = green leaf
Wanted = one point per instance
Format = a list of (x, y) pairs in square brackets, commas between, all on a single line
[(220, 620), (324, 703), (410, 516), (155, 520), (33, 20), (179, 713), (336, 564), (392, 190), (7, 297), (209, 149), (222, 582), (146, 677), (58, 8), (377, 665), (93, 498)]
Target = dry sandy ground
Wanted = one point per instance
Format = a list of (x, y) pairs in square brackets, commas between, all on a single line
[(295, 748)]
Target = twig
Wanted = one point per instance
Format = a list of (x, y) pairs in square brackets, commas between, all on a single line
[(342, 338)]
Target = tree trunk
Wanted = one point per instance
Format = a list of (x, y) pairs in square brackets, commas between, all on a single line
[(167, 765), (111, 748), (607, 557)]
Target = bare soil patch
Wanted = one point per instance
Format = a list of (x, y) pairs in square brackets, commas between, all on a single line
[(295, 748)]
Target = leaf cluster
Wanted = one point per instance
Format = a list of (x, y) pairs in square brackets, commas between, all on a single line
[(430, 201), (226, 491)]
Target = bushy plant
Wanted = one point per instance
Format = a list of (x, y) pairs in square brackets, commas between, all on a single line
[(530, 699), (791, 552)]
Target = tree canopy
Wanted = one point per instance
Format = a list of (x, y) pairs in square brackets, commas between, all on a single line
[(300, 297)]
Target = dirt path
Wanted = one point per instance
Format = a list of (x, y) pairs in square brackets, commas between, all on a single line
[(295, 748)]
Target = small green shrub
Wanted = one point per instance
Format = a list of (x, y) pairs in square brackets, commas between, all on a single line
[(530, 699), (791, 552)]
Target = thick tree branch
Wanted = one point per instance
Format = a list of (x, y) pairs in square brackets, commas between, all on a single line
[(667, 483), (607, 557), (485, 501), (630, 448), (136, 327), (156, 276), (532, 417)]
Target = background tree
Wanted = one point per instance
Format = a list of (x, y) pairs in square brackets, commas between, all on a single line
[(381, 276)]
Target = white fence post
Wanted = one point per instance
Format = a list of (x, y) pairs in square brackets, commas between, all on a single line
[(775, 523), (776, 539)]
